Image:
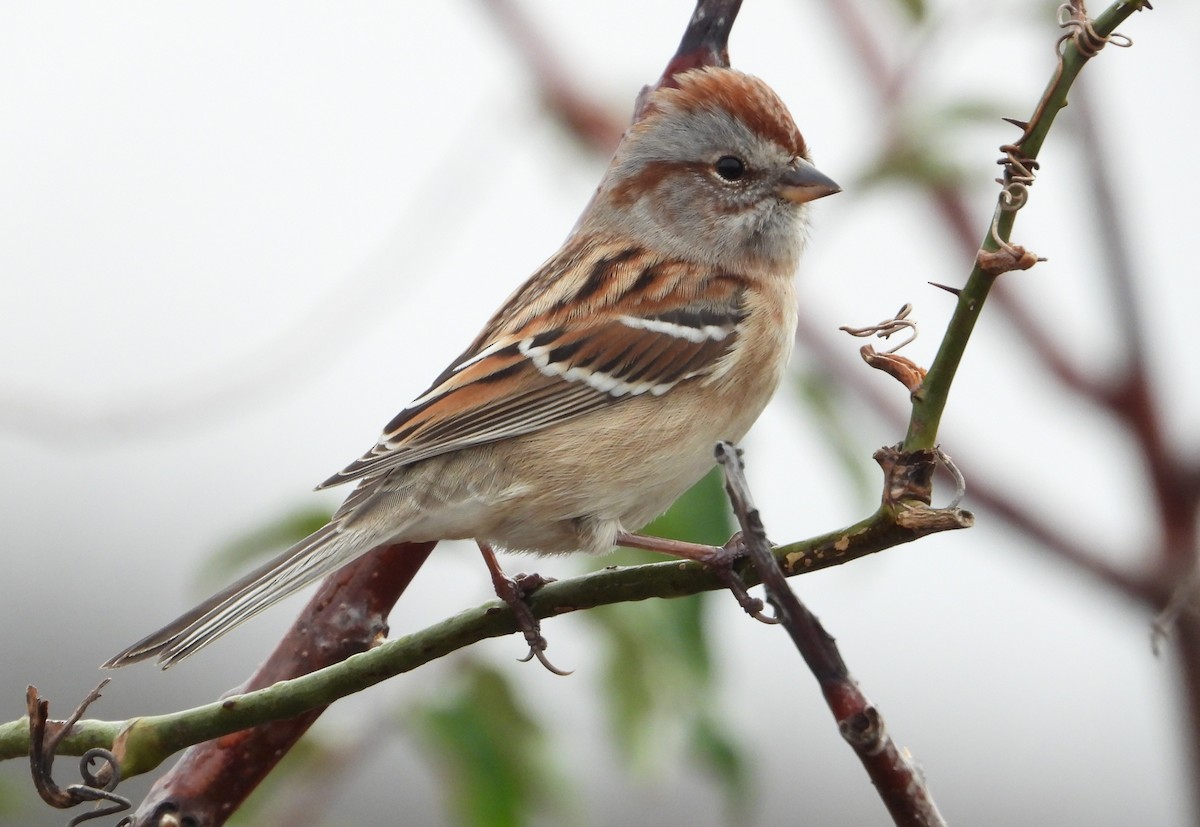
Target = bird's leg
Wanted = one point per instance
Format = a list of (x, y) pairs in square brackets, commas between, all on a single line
[(513, 591), (719, 558)]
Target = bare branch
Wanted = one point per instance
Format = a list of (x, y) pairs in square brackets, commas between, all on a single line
[(892, 771)]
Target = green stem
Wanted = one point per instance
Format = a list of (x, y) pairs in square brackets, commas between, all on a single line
[(929, 402), (143, 743)]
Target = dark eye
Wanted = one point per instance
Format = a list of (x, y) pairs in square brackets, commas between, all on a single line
[(730, 168)]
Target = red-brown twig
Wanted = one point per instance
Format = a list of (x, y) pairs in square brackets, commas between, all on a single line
[(892, 771), (347, 615)]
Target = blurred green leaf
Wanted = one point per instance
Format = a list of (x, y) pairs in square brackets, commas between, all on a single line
[(722, 755), (819, 393), (916, 10), (701, 515), (641, 674), (261, 542), (492, 750), (920, 149), (969, 112), (659, 681), (912, 162)]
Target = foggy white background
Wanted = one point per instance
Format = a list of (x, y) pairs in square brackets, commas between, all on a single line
[(236, 238)]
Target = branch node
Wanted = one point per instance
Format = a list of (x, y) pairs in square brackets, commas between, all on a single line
[(908, 475), (908, 490), (865, 731), (1009, 257)]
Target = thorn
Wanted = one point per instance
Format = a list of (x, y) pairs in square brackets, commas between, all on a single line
[(1019, 124), (955, 290)]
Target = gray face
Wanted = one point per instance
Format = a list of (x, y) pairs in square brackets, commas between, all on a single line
[(702, 176)]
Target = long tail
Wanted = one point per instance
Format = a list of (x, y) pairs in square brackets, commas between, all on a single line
[(321, 552)]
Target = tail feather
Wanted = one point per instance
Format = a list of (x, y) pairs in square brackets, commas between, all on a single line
[(321, 552)]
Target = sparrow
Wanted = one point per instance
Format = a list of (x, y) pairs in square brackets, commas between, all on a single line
[(594, 396)]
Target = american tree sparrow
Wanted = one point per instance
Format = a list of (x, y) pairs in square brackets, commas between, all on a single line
[(594, 396)]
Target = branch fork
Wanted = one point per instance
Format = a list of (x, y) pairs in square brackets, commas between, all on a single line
[(891, 769)]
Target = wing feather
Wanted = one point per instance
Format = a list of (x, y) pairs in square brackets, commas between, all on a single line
[(625, 325)]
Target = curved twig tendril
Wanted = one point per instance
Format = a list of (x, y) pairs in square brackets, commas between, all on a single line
[(1073, 17), (45, 736), (885, 329)]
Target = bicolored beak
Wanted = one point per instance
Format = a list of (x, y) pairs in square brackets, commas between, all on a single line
[(805, 183)]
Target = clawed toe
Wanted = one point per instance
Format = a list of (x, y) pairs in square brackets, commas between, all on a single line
[(529, 625), (513, 591), (757, 614), (537, 649), (752, 605)]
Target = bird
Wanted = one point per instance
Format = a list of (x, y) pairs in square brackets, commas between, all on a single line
[(595, 394)]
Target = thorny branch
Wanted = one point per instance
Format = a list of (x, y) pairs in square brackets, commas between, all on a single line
[(983, 493), (1129, 396), (1128, 393), (1083, 41)]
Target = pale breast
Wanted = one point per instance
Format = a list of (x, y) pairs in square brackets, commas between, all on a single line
[(574, 485), (580, 482)]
